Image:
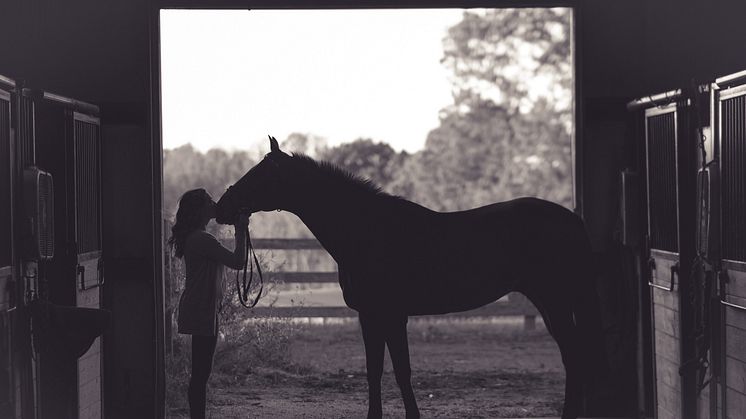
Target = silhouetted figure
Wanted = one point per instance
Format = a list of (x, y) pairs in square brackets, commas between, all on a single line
[(204, 258), (397, 259)]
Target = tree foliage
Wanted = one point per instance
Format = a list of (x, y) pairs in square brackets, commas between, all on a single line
[(499, 54), (185, 168), (499, 139), (376, 161), (309, 144)]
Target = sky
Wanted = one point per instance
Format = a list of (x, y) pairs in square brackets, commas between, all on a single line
[(230, 78)]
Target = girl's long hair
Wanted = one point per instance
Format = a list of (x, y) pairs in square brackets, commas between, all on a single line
[(188, 218)]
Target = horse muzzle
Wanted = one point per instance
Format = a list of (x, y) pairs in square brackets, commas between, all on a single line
[(221, 217), (229, 217)]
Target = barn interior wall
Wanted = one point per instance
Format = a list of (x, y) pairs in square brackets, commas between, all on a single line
[(630, 50), (99, 52), (637, 48)]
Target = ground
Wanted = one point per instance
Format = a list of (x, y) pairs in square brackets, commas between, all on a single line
[(473, 369)]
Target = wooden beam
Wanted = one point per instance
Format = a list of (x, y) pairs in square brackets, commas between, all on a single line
[(358, 4)]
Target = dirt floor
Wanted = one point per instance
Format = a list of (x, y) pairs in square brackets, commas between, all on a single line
[(460, 370)]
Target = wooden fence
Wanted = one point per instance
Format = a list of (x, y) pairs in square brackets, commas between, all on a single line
[(514, 304)]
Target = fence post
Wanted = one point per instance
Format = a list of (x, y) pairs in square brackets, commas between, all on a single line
[(529, 323)]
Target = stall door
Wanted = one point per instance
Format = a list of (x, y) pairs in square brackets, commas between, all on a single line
[(6, 226), (86, 155), (662, 146), (731, 122), (26, 379), (7, 284)]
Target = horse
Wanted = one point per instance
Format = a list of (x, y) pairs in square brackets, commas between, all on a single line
[(398, 259)]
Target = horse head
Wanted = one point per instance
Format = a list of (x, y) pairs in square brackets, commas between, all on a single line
[(260, 189)]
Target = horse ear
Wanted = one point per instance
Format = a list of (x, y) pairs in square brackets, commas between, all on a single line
[(273, 146)]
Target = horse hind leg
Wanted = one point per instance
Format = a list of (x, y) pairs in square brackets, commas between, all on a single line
[(560, 324), (396, 340), (374, 341)]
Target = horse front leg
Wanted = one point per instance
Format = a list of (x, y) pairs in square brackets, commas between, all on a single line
[(396, 340), (374, 341)]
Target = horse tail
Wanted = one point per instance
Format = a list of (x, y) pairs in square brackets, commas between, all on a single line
[(587, 312)]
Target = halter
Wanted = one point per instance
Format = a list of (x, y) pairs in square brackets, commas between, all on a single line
[(242, 286)]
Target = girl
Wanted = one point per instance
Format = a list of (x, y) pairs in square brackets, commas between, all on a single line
[(204, 258)]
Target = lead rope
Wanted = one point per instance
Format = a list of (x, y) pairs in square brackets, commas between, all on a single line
[(242, 286)]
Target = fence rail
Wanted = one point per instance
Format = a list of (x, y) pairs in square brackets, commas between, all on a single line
[(285, 244), (507, 308), (302, 277), (514, 305)]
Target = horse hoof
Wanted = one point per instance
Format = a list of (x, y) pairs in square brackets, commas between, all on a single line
[(414, 415), (375, 414)]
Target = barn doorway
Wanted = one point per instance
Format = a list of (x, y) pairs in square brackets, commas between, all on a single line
[(450, 108)]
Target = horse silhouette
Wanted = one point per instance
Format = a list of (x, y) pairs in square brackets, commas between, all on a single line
[(397, 259)]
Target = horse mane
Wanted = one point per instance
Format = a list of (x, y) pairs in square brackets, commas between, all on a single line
[(340, 177)]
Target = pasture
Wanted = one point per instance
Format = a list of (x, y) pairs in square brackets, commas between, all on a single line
[(468, 368)]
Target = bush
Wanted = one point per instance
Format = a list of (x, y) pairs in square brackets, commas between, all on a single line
[(178, 367), (249, 345)]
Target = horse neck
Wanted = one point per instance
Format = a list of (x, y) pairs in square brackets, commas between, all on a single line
[(333, 216)]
